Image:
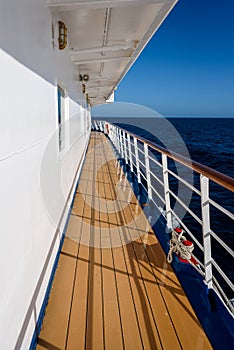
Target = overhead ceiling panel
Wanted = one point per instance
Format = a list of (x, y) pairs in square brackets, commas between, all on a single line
[(105, 37), (86, 28), (132, 22)]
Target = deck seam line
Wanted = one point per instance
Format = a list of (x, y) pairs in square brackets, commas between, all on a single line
[(101, 272), (131, 291), (123, 215), (74, 282), (116, 285), (145, 289), (156, 280), (89, 303), (158, 285), (102, 286)]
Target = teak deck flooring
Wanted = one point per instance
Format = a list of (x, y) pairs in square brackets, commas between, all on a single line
[(113, 288)]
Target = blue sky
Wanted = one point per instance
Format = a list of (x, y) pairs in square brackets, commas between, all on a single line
[(187, 69)]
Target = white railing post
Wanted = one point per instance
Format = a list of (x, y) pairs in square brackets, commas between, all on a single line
[(147, 169), (166, 191), (205, 209), (121, 143), (137, 160), (130, 152), (125, 148), (117, 139), (110, 132)]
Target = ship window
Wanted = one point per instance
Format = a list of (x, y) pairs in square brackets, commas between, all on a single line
[(61, 117)]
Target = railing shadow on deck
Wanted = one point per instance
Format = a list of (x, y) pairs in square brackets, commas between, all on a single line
[(211, 299)]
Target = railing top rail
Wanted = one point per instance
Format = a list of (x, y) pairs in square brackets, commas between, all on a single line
[(214, 175)]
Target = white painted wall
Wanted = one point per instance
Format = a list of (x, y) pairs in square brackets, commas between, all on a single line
[(35, 178)]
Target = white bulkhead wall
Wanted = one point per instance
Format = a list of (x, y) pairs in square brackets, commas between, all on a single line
[(36, 177)]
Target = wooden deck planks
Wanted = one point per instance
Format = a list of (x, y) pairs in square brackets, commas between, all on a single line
[(54, 330), (112, 320), (77, 324), (130, 323), (169, 295), (148, 327), (127, 312), (94, 317), (113, 288)]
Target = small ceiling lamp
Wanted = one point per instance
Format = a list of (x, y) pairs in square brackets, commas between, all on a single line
[(84, 77), (62, 35)]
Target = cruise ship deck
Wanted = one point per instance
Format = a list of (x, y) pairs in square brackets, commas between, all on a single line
[(113, 288)]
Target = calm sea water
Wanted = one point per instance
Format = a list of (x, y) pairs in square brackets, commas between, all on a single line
[(209, 141)]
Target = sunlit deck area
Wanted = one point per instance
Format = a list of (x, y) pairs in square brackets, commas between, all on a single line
[(113, 288)]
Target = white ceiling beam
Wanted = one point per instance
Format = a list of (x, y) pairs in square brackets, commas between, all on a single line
[(96, 93), (96, 90), (126, 46), (98, 86), (69, 5), (97, 83), (97, 96), (95, 79), (104, 93), (98, 60), (92, 95), (91, 80)]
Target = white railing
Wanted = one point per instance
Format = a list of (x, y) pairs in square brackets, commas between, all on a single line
[(153, 174)]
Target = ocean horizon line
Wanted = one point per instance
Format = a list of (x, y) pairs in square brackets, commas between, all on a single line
[(162, 116)]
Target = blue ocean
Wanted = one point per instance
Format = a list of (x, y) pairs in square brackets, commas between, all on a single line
[(209, 141)]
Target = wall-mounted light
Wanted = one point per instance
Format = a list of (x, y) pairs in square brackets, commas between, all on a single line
[(62, 35)]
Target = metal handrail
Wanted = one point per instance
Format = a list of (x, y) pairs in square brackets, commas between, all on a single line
[(214, 175), (221, 179), (122, 138)]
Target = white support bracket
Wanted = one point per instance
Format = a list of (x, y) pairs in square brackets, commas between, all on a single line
[(147, 168), (125, 147), (137, 160), (166, 191), (130, 151), (121, 143), (205, 209)]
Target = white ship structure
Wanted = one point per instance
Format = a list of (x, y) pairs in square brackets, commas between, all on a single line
[(58, 59)]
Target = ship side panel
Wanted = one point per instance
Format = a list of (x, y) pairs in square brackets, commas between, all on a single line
[(38, 162)]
